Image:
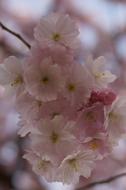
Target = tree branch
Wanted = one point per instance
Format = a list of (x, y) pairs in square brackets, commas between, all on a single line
[(15, 34), (108, 180)]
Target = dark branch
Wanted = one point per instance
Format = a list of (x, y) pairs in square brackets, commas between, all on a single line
[(108, 180), (15, 34)]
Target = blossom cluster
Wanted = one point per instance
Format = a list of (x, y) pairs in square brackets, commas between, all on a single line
[(66, 107)]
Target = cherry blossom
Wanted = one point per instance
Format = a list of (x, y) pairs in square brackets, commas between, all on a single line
[(52, 136), (99, 144), (75, 165), (25, 127), (98, 71), (43, 81), (78, 84), (11, 75), (116, 119), (29, 107), (68, 112), (57, 29), (42, 165), (90, 122)]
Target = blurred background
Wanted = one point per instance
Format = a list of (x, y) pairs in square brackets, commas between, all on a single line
[(102, 26)]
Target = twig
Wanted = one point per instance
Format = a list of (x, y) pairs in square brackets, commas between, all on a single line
[(15, 34), (108, 180)]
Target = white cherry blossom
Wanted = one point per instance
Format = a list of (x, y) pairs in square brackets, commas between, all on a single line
[(43, 81), (78, 84), (97, 69), (116, 119), (75, 165), (11, 75), (42, 165), (53, 136), (57, 29)]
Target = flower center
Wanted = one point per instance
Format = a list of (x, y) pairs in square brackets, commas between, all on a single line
[(113, 116), (54, 137), (45, 80), (56, 37), (71, 87), (99, 75), (42, 164), (73, 163), (18, 80), (39, 103), (90, 116), (93, 145)]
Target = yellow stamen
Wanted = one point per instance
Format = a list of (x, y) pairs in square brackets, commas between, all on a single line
[(39, 103), (71, 87), (56, 37), (90, 116), (54, 137), (42, 164), (73, 164), (99, 75), (17, 81), (113, 116), (93, 145), (45, 80)]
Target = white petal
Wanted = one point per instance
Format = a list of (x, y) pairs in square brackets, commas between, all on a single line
[(13, 65), (5, 76)]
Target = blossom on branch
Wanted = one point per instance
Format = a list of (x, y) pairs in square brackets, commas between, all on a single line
[(11, 75), (68, 112), (57, 29), (101, 76)]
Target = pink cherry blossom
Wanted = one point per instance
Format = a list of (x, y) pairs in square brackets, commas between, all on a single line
[(101, 76), (11, 75), (57, 29), (99, 144), (59, 55), (58, 107), (52, 136), (116, 119), (42, 165), (25, 127), (62, 56), (75, 165), (43, 81), (90, 122), (78, 84), (29, 107)]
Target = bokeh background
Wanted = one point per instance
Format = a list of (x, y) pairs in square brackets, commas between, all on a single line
[(102, 26)]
